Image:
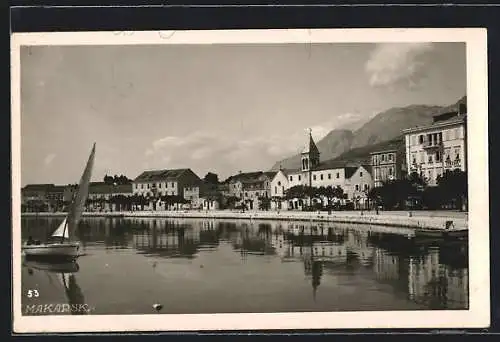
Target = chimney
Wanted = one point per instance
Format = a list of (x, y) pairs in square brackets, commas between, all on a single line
[(462, 109)]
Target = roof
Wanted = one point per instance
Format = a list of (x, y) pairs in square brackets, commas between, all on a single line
[(159, 175), (103, 188), (286, 172), (245, 176), (334, 164), (311, 146), (350, 170), (385, 151), (270, 174), (38, 187), (457, 119)]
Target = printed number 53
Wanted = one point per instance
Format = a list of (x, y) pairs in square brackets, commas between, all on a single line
[(33, 293)]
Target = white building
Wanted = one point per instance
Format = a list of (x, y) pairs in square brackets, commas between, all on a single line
[(440, 146), (354, 179)]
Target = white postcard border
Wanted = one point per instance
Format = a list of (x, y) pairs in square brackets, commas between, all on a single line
[(478, 314)]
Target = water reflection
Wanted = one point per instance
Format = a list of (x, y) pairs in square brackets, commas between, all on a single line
[(59, 275), (434, 276)]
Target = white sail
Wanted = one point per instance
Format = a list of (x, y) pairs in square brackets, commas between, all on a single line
[(62, 230), (78, 204)]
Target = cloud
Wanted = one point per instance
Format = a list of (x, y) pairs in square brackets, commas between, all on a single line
[(220, 153), (49, 159), (398, 64)]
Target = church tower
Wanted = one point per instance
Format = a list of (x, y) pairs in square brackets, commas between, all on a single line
[(310, 155)]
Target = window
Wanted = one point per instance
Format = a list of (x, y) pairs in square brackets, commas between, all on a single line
[(390, 157), (291, 178), (366, 186), (338, 175), (314, 177), (142, 186), (279, 183), (438, 157), (357, 187), (299, 178), (329, 176), (148, 185), (321, 176), (390, 171), (275, 189), (430, 159), (383, 157), (361, 173), (420, 139)]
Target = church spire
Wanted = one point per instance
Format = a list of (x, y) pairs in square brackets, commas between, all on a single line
[(310, 154)]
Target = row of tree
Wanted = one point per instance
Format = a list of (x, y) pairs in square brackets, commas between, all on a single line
[(414, 192), (118, 180)]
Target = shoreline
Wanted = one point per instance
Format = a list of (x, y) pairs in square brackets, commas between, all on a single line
[(392, 219)]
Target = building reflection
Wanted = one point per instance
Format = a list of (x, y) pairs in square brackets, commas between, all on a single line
[(433, 275)]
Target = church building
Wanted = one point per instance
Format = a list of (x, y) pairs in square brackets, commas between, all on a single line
[(355, 179)]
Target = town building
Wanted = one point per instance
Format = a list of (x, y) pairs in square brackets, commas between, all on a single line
[(250, 187), (433, 149), (44, 197), (354, 179), (388, 164), (102, 196), (156, 183), (203, 195)]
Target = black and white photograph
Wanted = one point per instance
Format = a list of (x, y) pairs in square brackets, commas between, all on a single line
[(250, 179)]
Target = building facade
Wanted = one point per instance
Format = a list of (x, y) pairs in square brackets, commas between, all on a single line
[(433, 149), (159, 183), (387, 165)]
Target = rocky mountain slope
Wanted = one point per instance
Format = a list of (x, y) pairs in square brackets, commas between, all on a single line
[(383, 130)]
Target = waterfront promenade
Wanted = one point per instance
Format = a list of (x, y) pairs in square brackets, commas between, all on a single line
[(417, 220)]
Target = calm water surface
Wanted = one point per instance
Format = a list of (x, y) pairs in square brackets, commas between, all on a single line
[(215, 266)]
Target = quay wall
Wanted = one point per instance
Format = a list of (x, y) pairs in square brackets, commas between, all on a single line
[(392, 219)]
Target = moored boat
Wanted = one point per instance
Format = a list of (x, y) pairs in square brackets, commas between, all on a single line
[(457, 233), (429, 233)]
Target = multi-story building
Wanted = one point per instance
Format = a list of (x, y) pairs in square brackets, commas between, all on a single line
[(158, 183), (354, 179), (49, 196), (388, 165), (32, 192), (433, 149)]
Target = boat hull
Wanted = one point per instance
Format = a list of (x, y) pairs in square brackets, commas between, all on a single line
[(429, 233), (52, 250), (458, 234)]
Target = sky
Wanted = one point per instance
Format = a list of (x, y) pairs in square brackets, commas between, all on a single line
[(212, 108)]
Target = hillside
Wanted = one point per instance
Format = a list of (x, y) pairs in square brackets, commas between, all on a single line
[(382, 131)]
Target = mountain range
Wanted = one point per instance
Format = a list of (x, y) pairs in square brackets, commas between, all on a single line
[(382, 131)]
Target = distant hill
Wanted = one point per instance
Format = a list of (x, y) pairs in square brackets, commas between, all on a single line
[(381, 132)]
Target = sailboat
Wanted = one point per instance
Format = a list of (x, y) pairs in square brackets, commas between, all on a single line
[(63, 243)]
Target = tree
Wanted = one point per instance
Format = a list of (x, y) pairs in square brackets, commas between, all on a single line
[(108, 179), (264, 203), (453, 187), (211, 178), (297, 191), (231, 201)]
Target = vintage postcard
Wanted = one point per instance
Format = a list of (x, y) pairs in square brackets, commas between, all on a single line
[(250, 179)]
